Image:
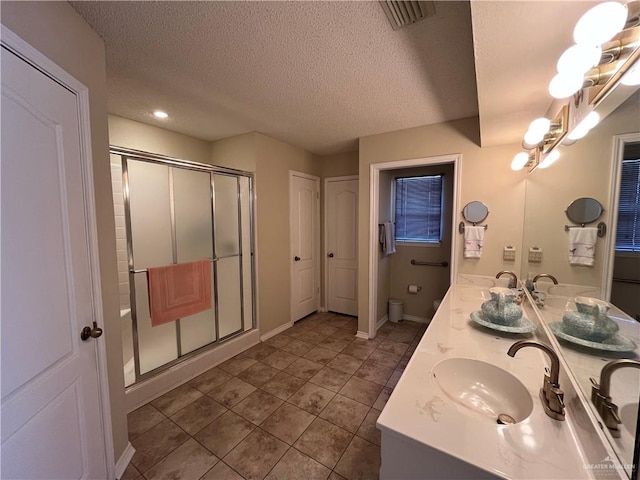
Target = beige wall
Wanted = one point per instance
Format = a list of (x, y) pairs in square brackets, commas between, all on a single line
[(583, 170), (271, 160), (338, 165), (59, 33), (148, 138), (433, 280), (237, 152), (485, 175), (274, 161)]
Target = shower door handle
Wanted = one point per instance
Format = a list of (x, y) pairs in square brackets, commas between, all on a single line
[(88, 332)]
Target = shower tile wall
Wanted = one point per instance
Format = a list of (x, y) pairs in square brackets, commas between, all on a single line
[(121, 232)]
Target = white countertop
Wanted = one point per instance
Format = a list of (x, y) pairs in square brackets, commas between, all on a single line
[(420, 411), (587, 363)]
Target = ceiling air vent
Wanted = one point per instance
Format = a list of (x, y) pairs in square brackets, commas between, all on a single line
[(401, 14)]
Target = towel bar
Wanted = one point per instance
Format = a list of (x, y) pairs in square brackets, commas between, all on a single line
[(602, 228), (461, 227), (212, 260)]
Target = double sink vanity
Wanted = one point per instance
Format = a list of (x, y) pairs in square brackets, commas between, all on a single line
[(478, 402)]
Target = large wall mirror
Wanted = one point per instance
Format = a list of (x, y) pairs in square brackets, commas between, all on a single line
[(591, 168)]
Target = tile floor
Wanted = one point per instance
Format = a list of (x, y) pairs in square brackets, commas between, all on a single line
[(301, 405)]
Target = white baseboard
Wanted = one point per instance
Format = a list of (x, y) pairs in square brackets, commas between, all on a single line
[(382, 321), (361, 334), (416, 318), (275, 331), (123, 461)]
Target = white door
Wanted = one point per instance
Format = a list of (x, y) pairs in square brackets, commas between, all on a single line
[(342, 245), (51, 415), (305, 244)]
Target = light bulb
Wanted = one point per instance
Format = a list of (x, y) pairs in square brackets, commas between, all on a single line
[(632, 76), (577, 133), (600, 24), (160, 114), (519, 161), (540, 126), (550, 158), (579, 59), (590, 121), (533, 138), (565, 84)]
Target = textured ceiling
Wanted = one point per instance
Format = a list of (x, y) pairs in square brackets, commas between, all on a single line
[(314, 74)]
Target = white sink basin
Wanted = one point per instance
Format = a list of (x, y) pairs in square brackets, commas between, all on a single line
[(483, 388)]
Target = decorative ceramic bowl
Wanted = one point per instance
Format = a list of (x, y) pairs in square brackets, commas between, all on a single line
[(590, 321), (500, 309)]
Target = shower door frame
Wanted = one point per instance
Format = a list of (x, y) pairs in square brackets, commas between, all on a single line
[(126, 154)]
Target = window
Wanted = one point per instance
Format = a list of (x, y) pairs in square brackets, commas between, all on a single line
[(628, 234), (418, 209)]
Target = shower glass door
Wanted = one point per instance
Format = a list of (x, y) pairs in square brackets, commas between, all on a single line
[(228, 251), (193, 242), (150, 236), (178, 212)]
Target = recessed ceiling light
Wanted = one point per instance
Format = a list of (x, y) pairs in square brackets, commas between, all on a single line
[(160, 114)]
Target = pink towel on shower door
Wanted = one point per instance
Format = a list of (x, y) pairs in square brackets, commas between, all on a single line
[(177, 291)]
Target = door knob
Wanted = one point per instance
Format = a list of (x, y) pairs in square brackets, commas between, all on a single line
[(88, 332), (330, 255), (297, 259)]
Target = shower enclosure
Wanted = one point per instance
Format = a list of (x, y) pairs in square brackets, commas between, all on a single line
[(175, 211)]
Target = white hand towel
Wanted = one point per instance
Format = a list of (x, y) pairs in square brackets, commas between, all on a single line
[(388, 238), (473, 240), (582, 245)]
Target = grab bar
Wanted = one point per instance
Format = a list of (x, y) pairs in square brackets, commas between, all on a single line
[(430, 264)]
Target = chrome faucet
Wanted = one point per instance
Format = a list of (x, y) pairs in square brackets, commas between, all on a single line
[(545, 275), (601, 398), (513, 282), (539, 297), (551, 396)]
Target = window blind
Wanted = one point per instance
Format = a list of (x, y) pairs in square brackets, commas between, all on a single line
[(628, 232), (418, 209)]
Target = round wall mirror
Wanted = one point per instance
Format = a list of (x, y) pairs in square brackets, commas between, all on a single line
[(584, 210), (475, 212)]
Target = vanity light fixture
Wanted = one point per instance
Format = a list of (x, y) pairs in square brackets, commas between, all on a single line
[(600, 24), (519, 161), (565, 84), (579, 66), (160, 114), (579, 58), (549, 159), (537, 130), (525, 159), (606, 52), (590, 121), (632, 77)]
